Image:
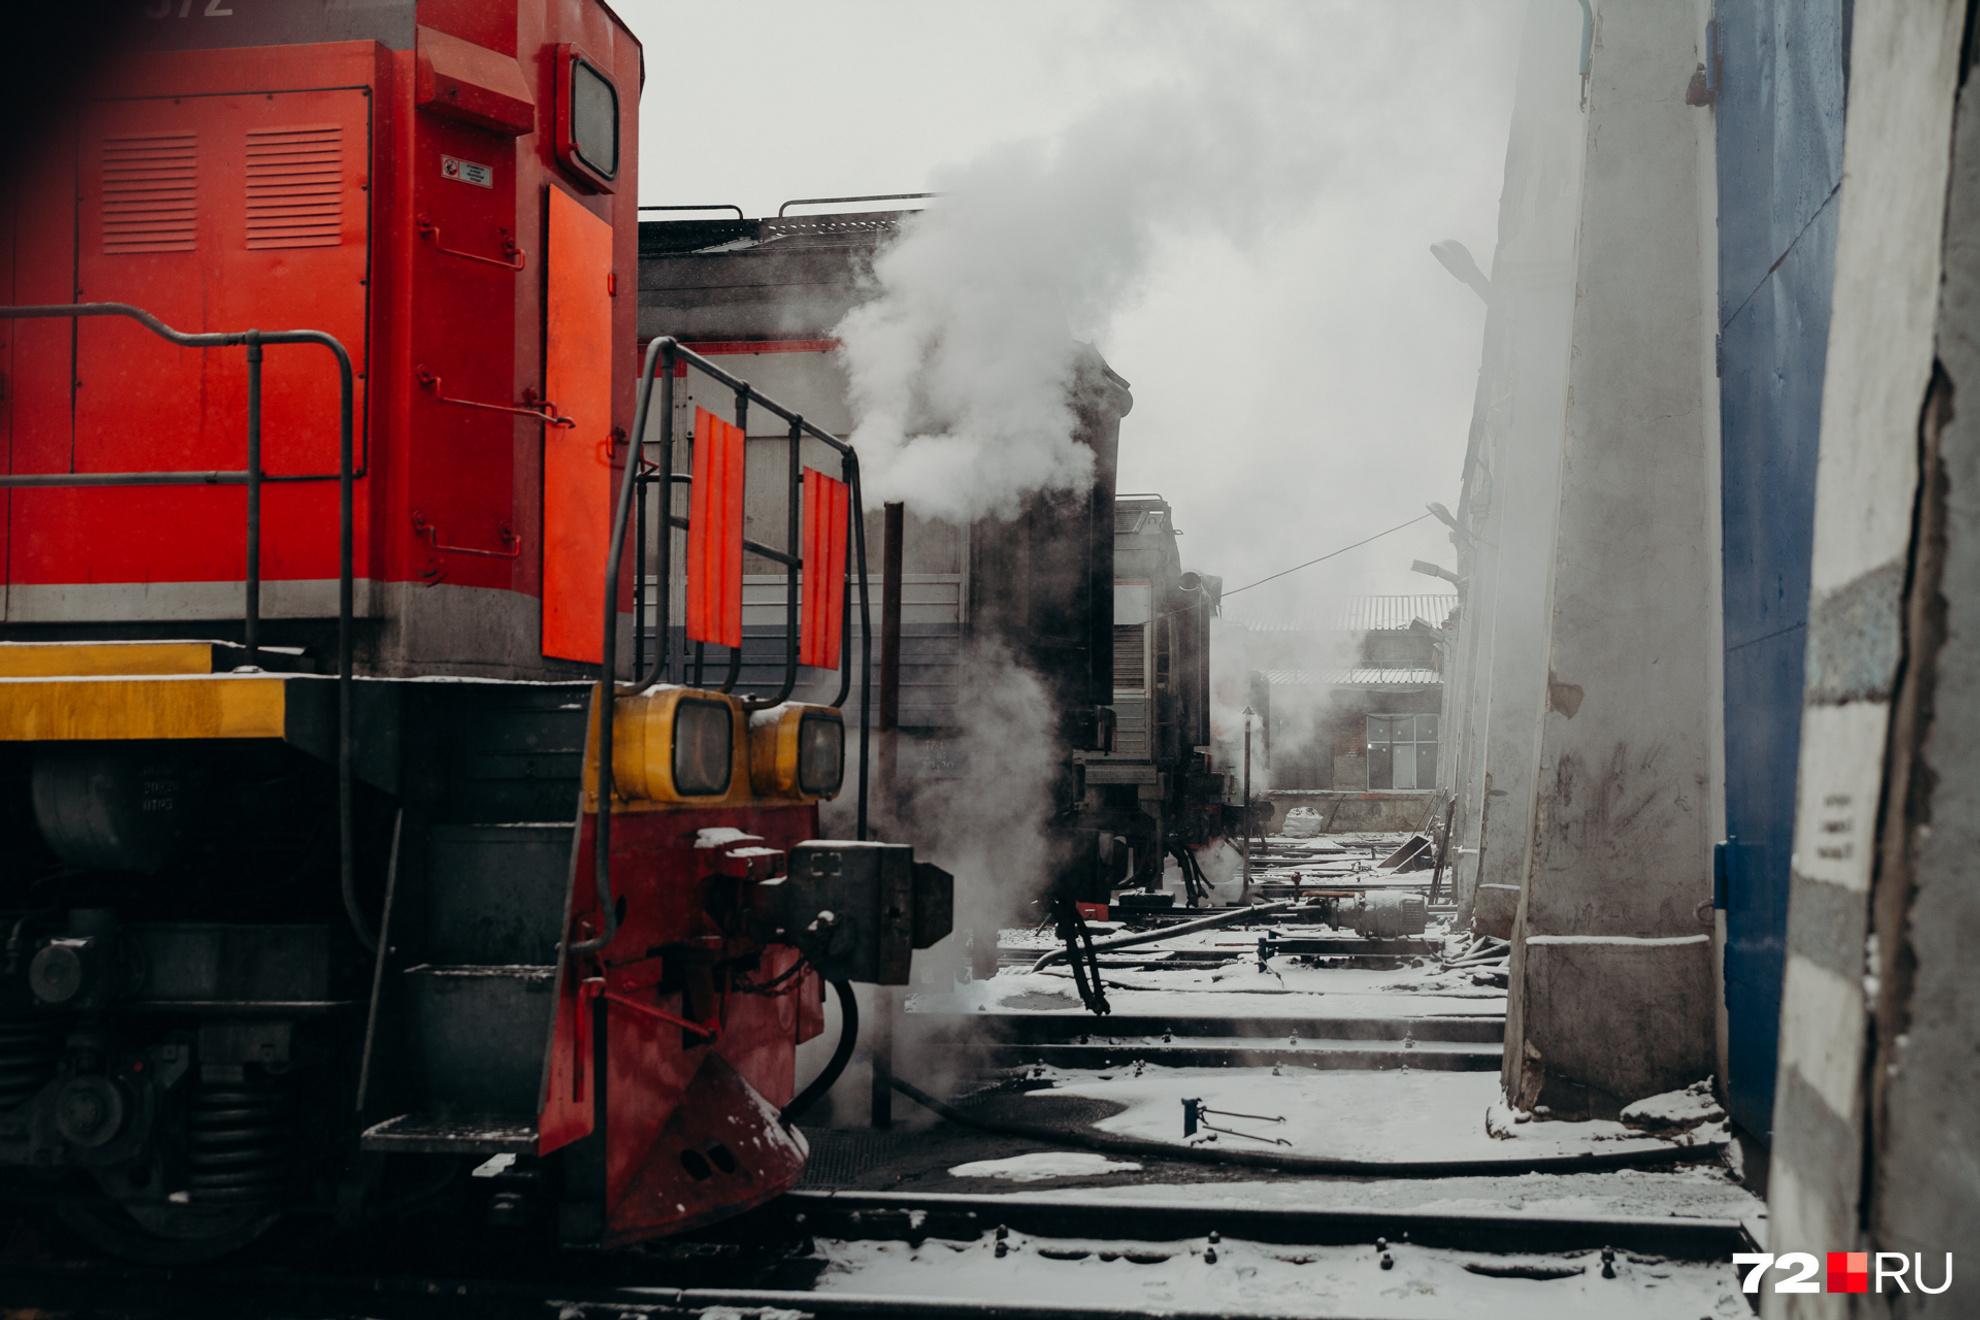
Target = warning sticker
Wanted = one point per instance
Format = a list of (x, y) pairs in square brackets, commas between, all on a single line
[(466, 171)]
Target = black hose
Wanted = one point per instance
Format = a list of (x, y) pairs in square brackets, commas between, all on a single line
[(1292, 1162), (841, 1054), (1227, 917)]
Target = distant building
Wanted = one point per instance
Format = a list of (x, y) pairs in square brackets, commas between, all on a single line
[(1355, 697)]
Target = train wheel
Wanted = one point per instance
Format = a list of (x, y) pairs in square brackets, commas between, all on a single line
[(163, 1237)]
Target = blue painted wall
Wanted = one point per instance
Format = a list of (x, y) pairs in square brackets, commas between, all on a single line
[(1779, 124)]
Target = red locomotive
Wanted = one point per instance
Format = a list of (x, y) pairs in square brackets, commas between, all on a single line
[(333, 874)]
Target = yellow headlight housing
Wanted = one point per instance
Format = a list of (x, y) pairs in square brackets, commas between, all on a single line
[(797, 751), (675, 745)]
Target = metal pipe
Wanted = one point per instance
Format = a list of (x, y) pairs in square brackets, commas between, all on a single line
[(608, 667), (690, 358), (1228, 917), (791, 565), (346, 641), (853, 513), (894, 520), (865, 641), (868, 197), (124, 479), (663, 549), (640, 502), (251, 625), (709, 206), (1247, 801)]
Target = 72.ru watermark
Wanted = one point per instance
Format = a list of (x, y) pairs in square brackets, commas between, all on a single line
[(1846, 1272)]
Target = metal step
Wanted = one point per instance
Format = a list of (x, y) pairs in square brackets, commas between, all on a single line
[(477, 1035), (503, 752), (494, 894), (425, 1134)]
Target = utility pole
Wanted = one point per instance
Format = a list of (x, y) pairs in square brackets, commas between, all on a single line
[(886, 1001), (1245, 894)]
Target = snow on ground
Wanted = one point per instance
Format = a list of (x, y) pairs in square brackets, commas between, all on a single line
[(1329, 992), (1690, 1191), (1039, 1166), (1692, 1107), (1392, 1114), (1272, 1280)]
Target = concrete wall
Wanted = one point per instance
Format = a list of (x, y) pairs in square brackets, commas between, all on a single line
[(1879, 1018), (1617, 894)]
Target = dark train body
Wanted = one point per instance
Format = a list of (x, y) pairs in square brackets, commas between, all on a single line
[(764, 296), (331, 874), (1161, 786)]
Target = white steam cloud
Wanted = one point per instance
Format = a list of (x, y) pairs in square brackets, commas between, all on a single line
[(985, 816), (963, 359)]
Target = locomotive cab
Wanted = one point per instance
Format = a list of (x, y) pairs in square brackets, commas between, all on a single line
[(347, 857)]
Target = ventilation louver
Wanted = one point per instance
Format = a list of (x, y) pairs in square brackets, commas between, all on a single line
[(150, 193), (295, 187)]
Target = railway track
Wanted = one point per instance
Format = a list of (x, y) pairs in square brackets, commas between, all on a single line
[(800, 1257), (988, 1040)]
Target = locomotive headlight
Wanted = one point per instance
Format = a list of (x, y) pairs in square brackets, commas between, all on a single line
[(704, 747), (674, 745), (797, 751), (821, 752)]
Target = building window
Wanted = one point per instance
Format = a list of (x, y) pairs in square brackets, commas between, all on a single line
[(1402, 751)]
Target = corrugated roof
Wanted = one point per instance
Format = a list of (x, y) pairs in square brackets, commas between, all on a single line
[(1360, 614), (1361, 676)]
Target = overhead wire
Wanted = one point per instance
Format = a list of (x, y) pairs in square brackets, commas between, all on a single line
[(1324, 558)]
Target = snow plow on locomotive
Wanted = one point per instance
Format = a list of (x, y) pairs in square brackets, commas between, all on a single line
[(333, 872)]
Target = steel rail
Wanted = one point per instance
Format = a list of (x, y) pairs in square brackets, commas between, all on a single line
[(1056, 1214), (612, 1284), (143, 1293)]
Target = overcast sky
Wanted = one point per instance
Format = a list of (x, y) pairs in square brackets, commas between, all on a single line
[(1303, 375)]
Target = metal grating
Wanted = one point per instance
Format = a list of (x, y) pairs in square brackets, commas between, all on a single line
[(295, 186), (150, 193)]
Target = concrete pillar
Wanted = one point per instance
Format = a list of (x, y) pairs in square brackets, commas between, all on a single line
[(1611, 989), (1878, 1016), (1511, 487)]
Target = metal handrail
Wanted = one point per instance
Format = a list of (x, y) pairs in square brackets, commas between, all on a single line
[(864, 197), (253, 478), (662, 356)]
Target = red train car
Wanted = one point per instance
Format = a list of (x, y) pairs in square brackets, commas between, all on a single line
[(449, 189), (333, 876)]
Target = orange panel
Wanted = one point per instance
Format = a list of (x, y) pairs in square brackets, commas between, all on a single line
[(715, 533), (826, 504), (577, 460)]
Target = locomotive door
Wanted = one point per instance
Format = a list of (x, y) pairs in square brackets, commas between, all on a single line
[(577, 459), (213, 213)]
